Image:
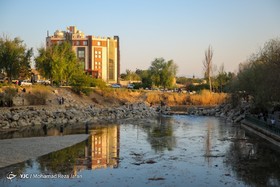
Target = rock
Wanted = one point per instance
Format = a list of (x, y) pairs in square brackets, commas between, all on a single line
[(239, 118), (15, 117), (14, 124), (22, 123), (4, 124)]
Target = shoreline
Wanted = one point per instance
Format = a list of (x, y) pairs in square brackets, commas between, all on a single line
[(49, 116), (18, 150)]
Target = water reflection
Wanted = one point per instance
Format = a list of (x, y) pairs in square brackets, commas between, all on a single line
[(254, 161), (168, 151), (100, 150), (160, 134)]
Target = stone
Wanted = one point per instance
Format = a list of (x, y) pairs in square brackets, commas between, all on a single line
[(14, 124), (15, 117), (22, 123)]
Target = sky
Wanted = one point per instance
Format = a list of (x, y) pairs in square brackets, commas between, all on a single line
[(178, 30)]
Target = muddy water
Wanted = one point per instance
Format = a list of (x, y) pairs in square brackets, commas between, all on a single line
[(168, 151)]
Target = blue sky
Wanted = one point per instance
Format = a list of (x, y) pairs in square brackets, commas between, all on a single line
[(173, 29)]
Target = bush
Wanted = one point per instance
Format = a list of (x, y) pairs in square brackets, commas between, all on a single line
[(97, 83), (80, 84), (37, 95), (6, 97)]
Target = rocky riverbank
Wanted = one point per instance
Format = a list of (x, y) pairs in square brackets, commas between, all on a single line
[(225, 111), (49, 116)]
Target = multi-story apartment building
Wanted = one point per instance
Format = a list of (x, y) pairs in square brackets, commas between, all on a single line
[(100, 56)]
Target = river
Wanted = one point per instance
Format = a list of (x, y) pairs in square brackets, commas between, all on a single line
[(168, 151)]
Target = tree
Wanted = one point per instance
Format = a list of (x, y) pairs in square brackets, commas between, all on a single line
[(259, 76), (221, 78), (15, 58), (146, 80), (130, 76), (163, 73), (183, 80), (208, 65), (58, 63)]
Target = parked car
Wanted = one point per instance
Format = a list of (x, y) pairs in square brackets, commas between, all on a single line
[(25, 83), (45, 82), (130, 86), (115, 85)]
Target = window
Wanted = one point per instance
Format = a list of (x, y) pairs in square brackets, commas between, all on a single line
[(84, 42), (99, 52), (77, 43), (98, 43), (96, 52), (99, 56), (81, 54)]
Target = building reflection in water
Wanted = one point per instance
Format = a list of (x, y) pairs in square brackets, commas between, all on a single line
[(101, 149)]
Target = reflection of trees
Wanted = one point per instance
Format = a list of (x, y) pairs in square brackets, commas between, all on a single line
[(208, 143), (62, 161), (17, 169), (255, 164), (160, 135)]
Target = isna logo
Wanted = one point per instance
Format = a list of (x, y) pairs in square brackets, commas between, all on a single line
[(11, 175)]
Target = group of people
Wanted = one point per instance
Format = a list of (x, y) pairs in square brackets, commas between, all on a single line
[(61, 100)]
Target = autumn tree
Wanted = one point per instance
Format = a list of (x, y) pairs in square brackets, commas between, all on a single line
[(208, 65), (15, 58), (260, 77)]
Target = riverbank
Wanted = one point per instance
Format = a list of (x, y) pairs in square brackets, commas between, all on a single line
[(224, 110), (50, 116), (62, 106)]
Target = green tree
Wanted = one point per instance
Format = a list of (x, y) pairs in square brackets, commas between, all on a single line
[(130, 76), (222, 80), (58, 63), (183, 80), (163, 73), (259, 76), (15, 58), (146, 80)]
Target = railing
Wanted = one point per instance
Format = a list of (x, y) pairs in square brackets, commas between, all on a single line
[(263, 124)]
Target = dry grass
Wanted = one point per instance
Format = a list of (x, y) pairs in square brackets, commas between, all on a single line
[(118, 96), (206, 98), (37, 95), (170, 99)]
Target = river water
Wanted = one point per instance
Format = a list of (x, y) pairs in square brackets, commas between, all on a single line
[(168, 151)]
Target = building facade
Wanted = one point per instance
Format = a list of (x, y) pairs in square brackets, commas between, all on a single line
[(100, 56)]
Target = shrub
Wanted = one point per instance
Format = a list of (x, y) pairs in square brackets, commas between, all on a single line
[(6, 97), (37, 95), (97, 83), (80, 84), (37, 98)]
